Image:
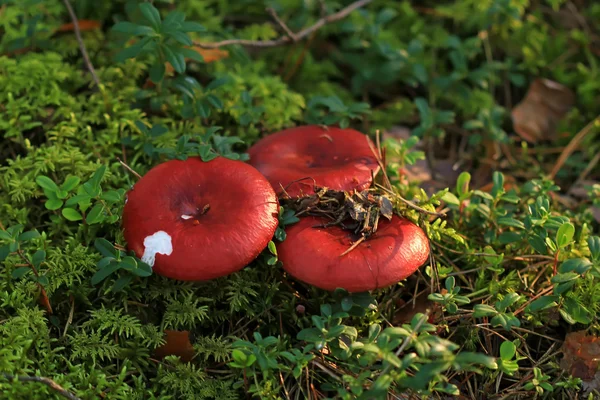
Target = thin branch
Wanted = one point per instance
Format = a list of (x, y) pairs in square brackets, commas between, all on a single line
[(128, 168), (573, 145), (45, 381), (84, 53), (343, 13), (282, 24)]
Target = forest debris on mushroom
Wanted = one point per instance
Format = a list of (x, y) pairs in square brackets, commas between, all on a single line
[(358, 211)]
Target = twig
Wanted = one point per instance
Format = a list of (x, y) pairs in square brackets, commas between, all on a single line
[(282, 24), (128, 168), (359, 241), (45, 381), (343, 13), (572, 146), (82, 48), (591, 165)]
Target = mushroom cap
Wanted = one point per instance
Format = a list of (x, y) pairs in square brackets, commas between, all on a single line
[(393, 253), (340, 159), (193, 220)]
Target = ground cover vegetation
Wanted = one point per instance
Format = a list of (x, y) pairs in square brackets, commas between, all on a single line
[(488, 114)]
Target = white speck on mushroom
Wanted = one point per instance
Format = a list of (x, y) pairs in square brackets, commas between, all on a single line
[(126, 198), (157, 243), (186, 216)]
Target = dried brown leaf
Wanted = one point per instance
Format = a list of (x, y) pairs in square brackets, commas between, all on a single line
[(177, 344), (535, 118), (581, 357)]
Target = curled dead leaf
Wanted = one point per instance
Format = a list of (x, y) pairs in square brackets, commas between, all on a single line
[(177, 343), (545, 104)]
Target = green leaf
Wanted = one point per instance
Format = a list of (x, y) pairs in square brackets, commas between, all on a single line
[(564, 277), (462, 184), (214, 101), (151, 14), (542, 303), (70, 183), (27, 236), (576, 312), (121, 283), (71, 214), (78, 199), (507, 221), (20, 272), (128, 263), (175, 58), (132, 29), (507, 350), (38, 258), (467, 357), (4, 252), (483, 310), (111, 196), (43, 280), (97, 176), (101, 274), (565, 234), (192, 54), (4, 235), (182, 38), (157, 72), (498, 187), (46, 183), (450, 198), (272, 248), (347, 303), (95, 214), (578, 265), (53, 204), (105, 248), (103, 263), (190, 26), (133, 50), (141, 271), (594, 245)]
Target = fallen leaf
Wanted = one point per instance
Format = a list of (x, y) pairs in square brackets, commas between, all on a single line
[(84, 25), (177, 344), (581, 357), (545, 104)]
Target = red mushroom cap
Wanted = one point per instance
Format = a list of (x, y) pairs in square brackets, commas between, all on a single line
[(393, 253), (340, 159), (193, 220)]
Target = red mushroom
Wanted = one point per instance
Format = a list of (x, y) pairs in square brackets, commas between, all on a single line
[(340, 159), (314, 255), (193, 220)]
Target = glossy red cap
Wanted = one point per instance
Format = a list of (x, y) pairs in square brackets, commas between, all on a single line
[(393, 253), (193, 220), (340, 159)]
